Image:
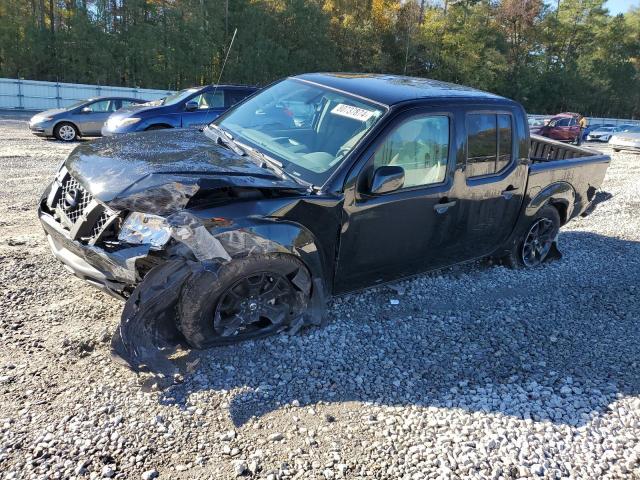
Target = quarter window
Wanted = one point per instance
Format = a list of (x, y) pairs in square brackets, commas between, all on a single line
[(421, 147), (489, 143)]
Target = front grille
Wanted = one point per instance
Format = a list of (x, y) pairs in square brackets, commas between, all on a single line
[(72, 189), (86, 219)]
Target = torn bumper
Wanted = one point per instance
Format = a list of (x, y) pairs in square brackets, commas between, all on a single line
[(113, 273)]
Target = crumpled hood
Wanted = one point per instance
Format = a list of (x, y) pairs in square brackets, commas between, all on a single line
[(159, 171)]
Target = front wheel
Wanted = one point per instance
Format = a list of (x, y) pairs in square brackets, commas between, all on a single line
[(250, 298), (536, 240), (65, 132)]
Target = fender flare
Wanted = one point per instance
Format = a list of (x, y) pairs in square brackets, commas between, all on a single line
[(559, 194)]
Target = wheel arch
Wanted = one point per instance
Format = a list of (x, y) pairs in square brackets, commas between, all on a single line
[(560, 195), (70, 122), (158, 125)]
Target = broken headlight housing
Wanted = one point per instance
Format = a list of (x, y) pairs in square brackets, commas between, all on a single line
[(141, 228)]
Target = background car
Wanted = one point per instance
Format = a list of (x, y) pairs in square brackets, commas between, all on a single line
[(602, 134), (190, 108), (563, 127), (628, 139), (536, 125), (84, 118)]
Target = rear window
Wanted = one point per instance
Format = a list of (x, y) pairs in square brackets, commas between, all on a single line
[(489, 143)]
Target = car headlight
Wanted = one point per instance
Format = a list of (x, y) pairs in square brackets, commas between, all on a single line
[(125, 122), (141, 228), (37, 119)]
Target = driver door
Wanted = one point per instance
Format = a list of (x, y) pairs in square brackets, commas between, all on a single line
[(406, 231), (209, 107), (91, 117)]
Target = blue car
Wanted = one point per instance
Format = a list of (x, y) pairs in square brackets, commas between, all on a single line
[(190, 108)]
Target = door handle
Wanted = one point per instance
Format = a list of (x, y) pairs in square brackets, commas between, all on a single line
[(443, 207), (508, 193)]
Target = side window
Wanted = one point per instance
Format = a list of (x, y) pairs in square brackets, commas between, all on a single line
[(505, 142), (489, 143), (421, 147), (102, 106), (209, 100), (563, 122), (234, 96)]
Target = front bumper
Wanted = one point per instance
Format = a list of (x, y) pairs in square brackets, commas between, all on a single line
[(112, 272), (41, 129)]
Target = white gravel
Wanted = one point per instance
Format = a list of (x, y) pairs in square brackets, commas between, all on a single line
[(476, 372)]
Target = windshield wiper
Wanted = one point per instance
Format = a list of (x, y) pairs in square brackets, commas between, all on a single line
[(268, 162), (227, 139)]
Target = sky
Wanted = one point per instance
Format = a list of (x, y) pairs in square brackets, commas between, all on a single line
[(621, 6)]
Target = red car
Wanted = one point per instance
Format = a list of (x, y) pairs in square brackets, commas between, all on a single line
[(563, 127)]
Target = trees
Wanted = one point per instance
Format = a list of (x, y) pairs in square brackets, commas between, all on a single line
[(570, 55)]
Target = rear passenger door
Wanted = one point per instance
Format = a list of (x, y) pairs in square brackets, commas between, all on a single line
[(92, 116), (495, 173)]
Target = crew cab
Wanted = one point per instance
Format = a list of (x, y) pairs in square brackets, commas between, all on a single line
[(317, 185), (188, 108)]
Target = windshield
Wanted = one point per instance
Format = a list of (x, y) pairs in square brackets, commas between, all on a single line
[(178, 96), (307, 128)]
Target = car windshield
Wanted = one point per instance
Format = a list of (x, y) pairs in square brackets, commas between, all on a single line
[(178, 96), (308, 128), (605, 129)]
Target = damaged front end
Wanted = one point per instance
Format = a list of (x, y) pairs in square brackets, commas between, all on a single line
[(144, 247)]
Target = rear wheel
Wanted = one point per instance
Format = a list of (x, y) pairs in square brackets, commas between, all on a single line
[(156, 127), (251, 297), (65, 131), (616, 150), (536, 240)]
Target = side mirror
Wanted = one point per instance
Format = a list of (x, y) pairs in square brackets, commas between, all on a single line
[(387, 179), (191, 105), (86, 110)]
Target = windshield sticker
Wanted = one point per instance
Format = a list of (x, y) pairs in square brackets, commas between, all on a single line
[(350, 111)]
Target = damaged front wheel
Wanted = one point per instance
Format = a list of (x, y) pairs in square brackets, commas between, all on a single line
[(251, 297)]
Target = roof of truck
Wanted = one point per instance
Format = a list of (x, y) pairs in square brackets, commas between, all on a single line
[(391, 89)]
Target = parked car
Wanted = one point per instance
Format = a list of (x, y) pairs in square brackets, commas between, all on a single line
[(243, 229), (602, 134), (190, 108), (563, 127), (628, 139), (83, 118), (537, 124)]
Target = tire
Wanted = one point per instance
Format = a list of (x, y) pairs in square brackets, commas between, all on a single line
[(616, 150), (66, 132), (156, 127), (219, 311), (547, 222)]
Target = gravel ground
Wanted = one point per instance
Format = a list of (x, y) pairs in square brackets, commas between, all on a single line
[(477, 372)]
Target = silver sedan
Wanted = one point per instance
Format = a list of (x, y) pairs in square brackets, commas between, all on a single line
[(627, 140), (81, 119)]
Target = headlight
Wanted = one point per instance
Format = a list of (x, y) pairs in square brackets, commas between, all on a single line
[(37, 119), (140, 228), (127, 121)]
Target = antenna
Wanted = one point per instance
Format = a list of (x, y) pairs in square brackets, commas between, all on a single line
[(222, 69)]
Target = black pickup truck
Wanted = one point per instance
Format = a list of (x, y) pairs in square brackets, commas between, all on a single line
[(317, 185)]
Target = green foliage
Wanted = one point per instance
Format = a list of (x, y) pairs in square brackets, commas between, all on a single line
[(567, 55)]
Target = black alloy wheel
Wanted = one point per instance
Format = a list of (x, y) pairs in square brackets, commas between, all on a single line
[(257, 303), (538, 241)]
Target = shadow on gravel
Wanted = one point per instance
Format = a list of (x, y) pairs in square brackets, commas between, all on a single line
[(558, 343)]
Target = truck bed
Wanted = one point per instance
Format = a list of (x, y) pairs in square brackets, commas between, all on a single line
[(576, 171)]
